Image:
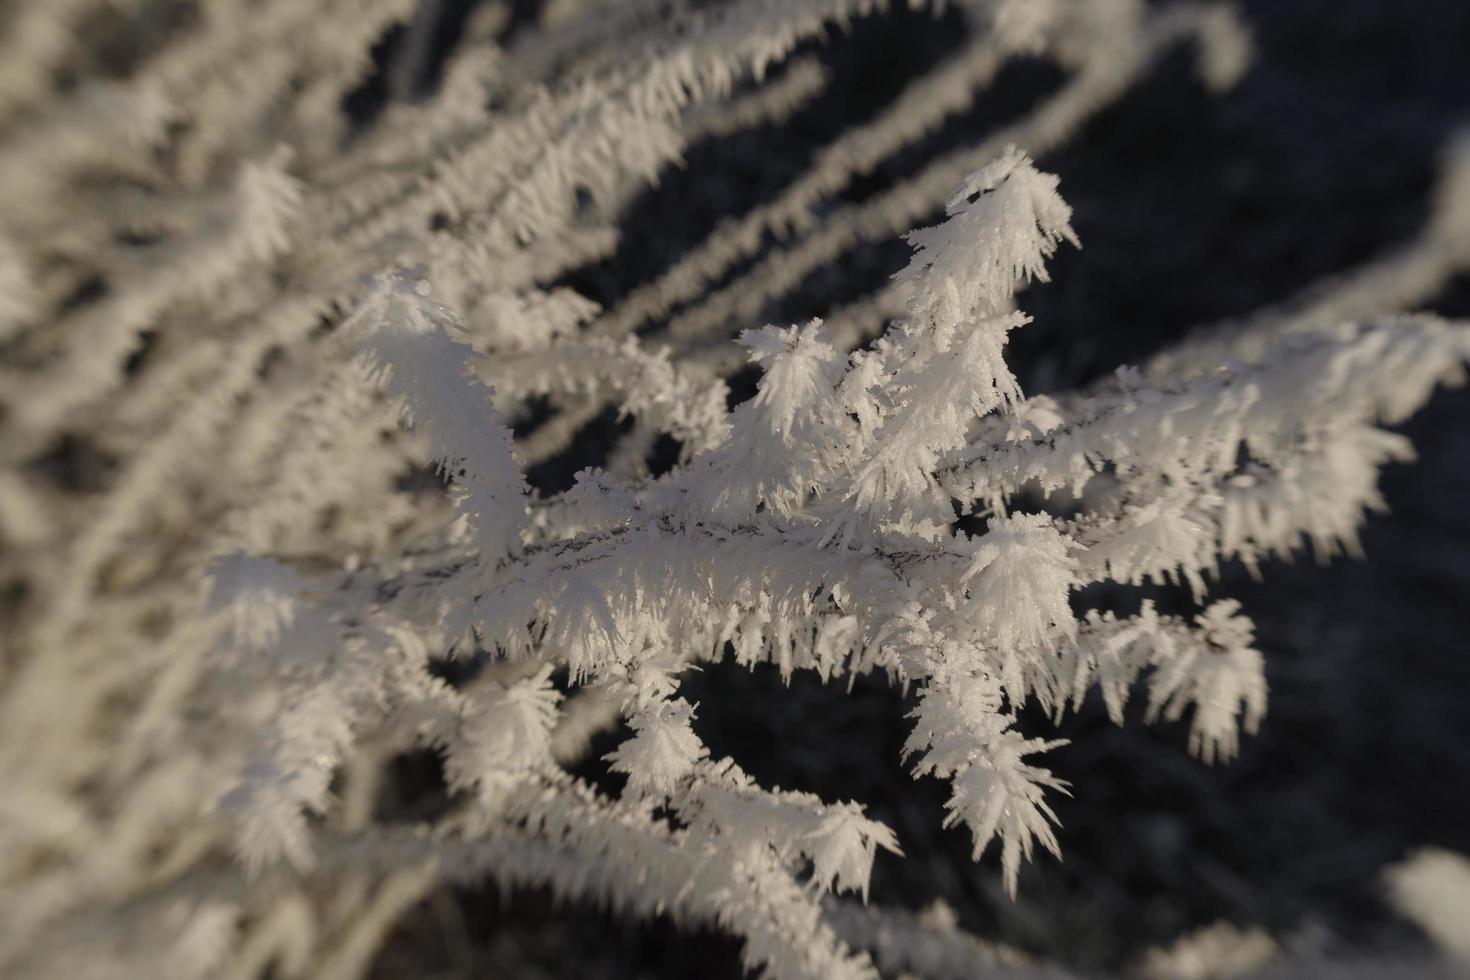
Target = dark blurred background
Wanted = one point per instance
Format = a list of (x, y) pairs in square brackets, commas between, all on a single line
[(1192, 207)]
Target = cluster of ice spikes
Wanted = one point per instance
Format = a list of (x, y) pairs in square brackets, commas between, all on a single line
[(817, 530), (235, 594)]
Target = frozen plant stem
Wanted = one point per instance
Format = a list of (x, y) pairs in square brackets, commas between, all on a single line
[(274, 378)]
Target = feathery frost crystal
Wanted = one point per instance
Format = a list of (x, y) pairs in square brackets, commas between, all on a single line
[(325, 359)]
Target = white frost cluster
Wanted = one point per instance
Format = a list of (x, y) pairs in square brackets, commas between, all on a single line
[(294, 536)]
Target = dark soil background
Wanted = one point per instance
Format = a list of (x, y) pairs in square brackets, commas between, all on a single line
[(1191, 207)]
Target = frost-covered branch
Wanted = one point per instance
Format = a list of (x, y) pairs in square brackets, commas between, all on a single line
[(265, 510)]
